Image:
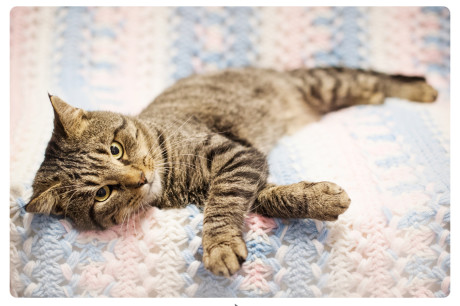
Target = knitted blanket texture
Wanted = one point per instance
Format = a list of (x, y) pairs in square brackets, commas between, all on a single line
[(393, 159)]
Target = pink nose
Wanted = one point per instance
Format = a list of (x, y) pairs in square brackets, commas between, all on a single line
[(142, 179)]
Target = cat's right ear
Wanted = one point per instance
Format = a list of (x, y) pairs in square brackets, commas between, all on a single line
[(46, 202), (68, 120)]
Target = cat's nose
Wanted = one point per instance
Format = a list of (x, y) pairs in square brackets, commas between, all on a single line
[(134, 178), (142, 179)]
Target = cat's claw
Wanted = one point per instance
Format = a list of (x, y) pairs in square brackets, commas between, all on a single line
[(225, 259)]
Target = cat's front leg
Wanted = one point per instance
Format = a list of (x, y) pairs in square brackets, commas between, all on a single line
[(322, 201), (238, 175)]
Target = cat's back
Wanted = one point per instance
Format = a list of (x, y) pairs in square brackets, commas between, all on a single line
[(256, 104), (203, 90)]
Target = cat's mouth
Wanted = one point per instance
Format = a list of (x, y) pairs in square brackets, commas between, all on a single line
[(152, 189)]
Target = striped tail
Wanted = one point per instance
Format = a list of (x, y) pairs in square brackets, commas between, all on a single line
[(328, 89)]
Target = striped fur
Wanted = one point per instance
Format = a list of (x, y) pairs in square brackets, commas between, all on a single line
[(204, 140)]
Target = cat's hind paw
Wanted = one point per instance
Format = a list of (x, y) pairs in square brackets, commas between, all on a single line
[(425, 93)]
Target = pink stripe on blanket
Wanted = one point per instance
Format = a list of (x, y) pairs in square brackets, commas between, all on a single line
[(257, 222)]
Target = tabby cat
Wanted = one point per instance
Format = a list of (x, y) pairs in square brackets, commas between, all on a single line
[(204, 140)]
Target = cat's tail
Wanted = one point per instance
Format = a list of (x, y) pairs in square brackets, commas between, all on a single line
[(331, 88)]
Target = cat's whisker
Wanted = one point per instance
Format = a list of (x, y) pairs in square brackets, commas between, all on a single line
[(69, 189), (137, 216), (174, 145), (175, 131), (123, 221), (59, 187), (196, 156), (127, 223), (70, 200), (253, 208), (138, 213), (181, 144), (173, 162), (134, 225), (167, 166), (171, 165)]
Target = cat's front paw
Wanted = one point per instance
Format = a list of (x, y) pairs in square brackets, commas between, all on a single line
[(327, 201), (225, 258)]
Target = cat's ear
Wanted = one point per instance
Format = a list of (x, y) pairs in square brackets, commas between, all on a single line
[(46, 202), (68, 120)]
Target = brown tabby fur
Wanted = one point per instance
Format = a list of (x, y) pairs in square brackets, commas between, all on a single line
[(204, 140)]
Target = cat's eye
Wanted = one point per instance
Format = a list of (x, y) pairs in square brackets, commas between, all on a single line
[(116, 149), (102, 194)]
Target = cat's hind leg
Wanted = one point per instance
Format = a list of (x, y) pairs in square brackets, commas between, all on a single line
[(322, 201)]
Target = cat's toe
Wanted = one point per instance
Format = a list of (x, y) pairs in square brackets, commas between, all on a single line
[(225, 259), (332, 188)]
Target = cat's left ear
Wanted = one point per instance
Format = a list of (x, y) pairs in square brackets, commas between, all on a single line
[(46, 202), (68, 120)]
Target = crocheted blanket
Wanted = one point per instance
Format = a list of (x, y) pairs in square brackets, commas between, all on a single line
[(393, 160)]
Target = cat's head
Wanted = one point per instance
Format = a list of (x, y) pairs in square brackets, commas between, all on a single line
[(99, 167)]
